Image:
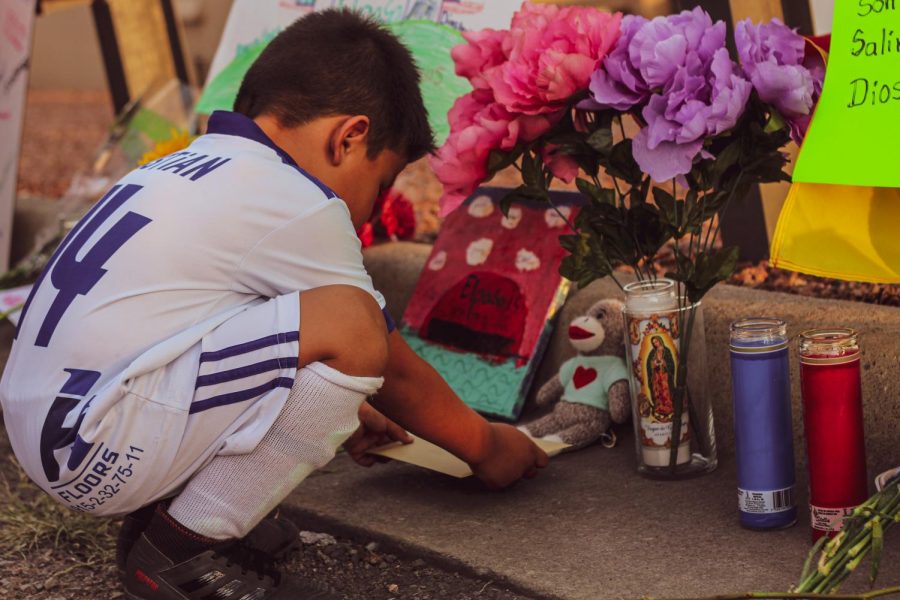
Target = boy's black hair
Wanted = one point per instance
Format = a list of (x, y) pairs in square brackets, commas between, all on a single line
[(338, 62)]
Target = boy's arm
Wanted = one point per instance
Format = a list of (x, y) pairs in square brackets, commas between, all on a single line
[(417, 397)]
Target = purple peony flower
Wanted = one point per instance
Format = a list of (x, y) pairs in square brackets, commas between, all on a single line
[(679, 69), (619, 84), (772, 57)]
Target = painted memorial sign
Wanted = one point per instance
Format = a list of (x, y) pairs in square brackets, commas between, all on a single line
[(860, 103), (482, 310), (430, 28)]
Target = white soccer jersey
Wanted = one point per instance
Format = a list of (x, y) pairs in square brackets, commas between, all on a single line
[(159, 292)]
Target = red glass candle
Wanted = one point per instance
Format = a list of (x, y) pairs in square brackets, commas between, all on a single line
[(833, 422)]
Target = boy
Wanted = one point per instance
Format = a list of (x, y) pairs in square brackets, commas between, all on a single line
[(207, 334)]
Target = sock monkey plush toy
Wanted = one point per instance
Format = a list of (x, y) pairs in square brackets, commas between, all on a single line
[(591, 389)]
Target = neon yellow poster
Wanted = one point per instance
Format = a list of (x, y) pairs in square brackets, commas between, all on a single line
[(854, 138)]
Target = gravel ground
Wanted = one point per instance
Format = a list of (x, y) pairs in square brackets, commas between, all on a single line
[(50, 553), (354, 569)]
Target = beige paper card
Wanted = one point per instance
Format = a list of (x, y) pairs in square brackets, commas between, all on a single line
[(425, 454)]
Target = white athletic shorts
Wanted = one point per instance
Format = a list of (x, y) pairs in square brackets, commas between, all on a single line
[(218, 398)]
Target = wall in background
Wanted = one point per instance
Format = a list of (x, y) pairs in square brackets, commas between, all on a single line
[(66, 54), (821, 14)]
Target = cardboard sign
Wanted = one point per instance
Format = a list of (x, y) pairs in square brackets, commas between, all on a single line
[(429, 456), (252, 25), (16, 26), (854, 138)]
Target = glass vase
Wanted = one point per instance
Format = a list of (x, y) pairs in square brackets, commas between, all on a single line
[(666, 346)]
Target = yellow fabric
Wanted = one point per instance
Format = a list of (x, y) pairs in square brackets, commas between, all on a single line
[(839, 231)]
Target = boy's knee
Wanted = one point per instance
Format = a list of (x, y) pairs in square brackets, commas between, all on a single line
[(343, 327)]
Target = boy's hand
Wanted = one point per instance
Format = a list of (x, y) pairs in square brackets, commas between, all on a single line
[(510, 456), (374, 430)]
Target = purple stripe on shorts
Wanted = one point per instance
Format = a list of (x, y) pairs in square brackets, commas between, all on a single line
[(235, 397), (269, 340), (247, 371)]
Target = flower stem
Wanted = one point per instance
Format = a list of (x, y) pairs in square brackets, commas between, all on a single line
[(575, 230), (836, 562), (681, 387), (721, 215)]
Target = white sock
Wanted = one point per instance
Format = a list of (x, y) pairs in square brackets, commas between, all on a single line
[(228, 497)]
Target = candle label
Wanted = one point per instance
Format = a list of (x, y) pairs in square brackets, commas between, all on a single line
[(829, 519), (761, 503), (654, 342)]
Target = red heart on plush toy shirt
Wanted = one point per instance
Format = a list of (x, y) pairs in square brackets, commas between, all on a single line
[(583, 377)]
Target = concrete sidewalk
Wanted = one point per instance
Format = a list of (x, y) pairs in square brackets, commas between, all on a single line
[(586, 528)]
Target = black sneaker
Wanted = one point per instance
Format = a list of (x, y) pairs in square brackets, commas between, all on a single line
[(231, 570), (275, 536)]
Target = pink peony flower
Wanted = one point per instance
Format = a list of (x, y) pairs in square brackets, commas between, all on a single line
[(552, 53), (523, 80), (483, 52), (477, 127), (561, 165)]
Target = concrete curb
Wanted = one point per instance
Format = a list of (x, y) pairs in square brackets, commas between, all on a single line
[(395, 268)]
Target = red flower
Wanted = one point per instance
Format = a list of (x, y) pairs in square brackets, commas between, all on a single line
[(398, 218), (366, 234), (393, 217)]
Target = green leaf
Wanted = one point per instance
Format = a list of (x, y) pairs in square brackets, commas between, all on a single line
[(569, 242), (692, 218), (532, 175), (522, 193), (587, 188), (622, 164), (725, 160), (596, 193), (601, 140), (776, 122), (668, 208), (638, 193), (499, 160), (709, 269), (607, 196), (507, 200), (647, 229), (684, 267), (586, 261)]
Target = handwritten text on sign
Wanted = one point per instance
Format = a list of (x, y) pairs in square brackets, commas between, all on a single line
[(860, 103), (876, 41)]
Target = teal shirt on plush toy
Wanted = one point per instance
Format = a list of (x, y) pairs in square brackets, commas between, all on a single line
[(587, 379)]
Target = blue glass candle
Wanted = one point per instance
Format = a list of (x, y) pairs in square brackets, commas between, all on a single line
[(763, 433)]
